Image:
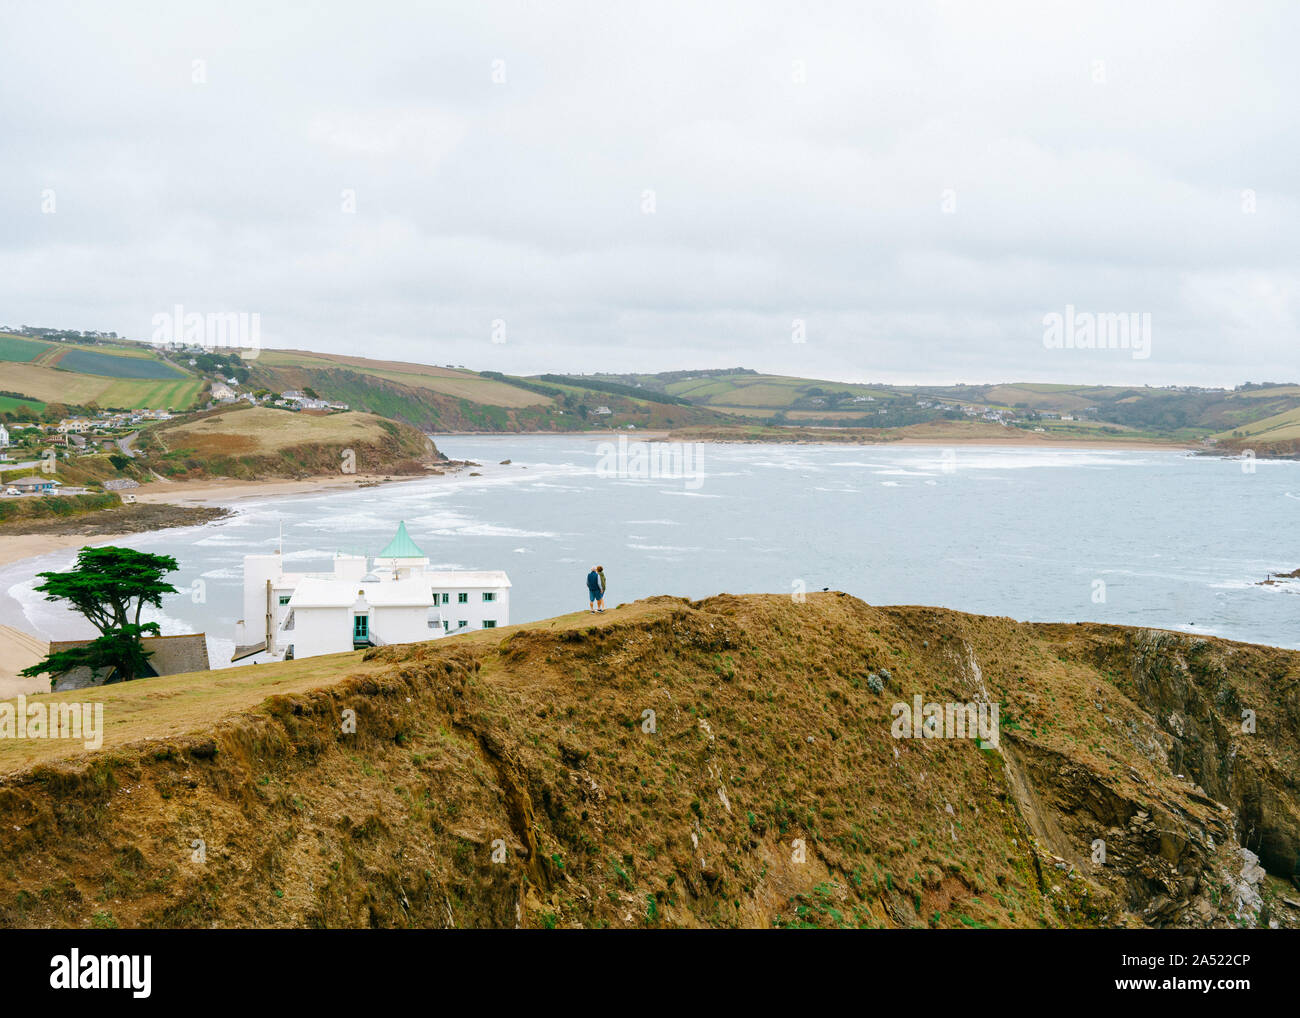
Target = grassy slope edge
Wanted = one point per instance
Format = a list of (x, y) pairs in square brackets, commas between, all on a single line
[(767, 732)]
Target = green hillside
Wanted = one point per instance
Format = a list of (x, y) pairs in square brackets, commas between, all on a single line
[(454, 399)]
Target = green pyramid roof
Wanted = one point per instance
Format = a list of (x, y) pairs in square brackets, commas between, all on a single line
[(401, 546)]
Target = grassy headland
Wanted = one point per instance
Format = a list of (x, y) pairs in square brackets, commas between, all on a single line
[(261, 442), (727, 762)]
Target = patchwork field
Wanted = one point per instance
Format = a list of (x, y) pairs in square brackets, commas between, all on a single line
[(775, 392), (53, 386), (1040, 397), (447, 381), (110, 376)]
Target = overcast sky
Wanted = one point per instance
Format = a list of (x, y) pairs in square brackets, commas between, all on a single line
[(650, 186)]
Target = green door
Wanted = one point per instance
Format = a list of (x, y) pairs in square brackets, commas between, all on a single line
[(360, 628)]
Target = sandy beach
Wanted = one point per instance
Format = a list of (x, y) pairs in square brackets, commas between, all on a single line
[(18, 650), (231, 492), (21, 546)]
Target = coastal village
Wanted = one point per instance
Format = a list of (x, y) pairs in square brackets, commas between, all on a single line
[(32, 452)]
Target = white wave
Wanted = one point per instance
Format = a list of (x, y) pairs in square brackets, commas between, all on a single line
[(492, 530), (224, 573), (224, 539)]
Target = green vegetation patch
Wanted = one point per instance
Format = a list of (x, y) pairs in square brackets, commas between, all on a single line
[(15, 348)]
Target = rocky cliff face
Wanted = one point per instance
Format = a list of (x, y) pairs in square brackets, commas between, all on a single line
[(730, 762)]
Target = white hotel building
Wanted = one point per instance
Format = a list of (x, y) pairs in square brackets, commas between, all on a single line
[(398, 599)]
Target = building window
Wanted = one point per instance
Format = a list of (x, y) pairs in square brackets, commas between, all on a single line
[(489, 623), (284, 599), (489, 596), (461, 624), (446, 599), (446, 624), (462, 598), (361, 627)]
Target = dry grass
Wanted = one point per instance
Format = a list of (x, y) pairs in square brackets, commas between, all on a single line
[(263, 430), (175, 705), (769, 731)]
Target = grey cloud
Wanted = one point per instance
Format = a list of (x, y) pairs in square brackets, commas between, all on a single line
[(798, 156)]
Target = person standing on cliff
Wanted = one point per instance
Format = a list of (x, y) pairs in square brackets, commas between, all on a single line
[(594, 588), (600, 603)]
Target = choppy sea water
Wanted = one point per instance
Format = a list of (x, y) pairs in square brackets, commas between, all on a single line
[(1158, 539)]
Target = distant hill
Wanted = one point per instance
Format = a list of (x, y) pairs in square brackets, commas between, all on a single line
[(456, 399), (118, 373), (1135, 412)]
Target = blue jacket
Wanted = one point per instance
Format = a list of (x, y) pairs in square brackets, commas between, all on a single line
[(593, 582)]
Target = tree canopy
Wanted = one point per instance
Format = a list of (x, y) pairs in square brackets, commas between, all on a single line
[(109, 587)]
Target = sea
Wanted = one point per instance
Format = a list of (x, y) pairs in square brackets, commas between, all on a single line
[(1154, 538)]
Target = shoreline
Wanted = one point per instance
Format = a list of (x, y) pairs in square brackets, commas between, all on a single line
[(1034, 442), (212, 494), (988, 443), (228, 492)]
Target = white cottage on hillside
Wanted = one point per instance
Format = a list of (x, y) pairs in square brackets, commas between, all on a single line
[(398, 599)]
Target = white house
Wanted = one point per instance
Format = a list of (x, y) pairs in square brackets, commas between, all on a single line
[(4, 437), (397, 599)]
